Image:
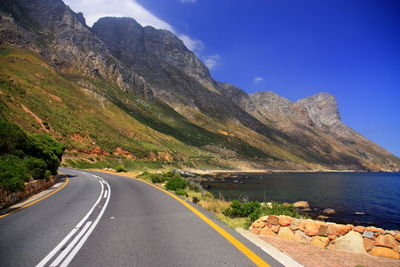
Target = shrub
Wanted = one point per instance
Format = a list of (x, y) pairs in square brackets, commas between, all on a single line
[(44, 147), (276, 208), (192, 185), (181, 192), (120, 169), (175, 183), (12, 138), (195, 200), (24, 156), (37, 167), (160, 177), (238, 209), (13, 173)]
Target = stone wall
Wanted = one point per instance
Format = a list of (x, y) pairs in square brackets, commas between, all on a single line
[(359, 239), (8, 198)]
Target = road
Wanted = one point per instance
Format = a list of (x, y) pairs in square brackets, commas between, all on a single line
[(101, 219)]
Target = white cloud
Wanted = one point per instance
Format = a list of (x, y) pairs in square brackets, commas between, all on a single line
[(258, 79), (95, 9), (211, 61), (194, 45), (188, 1)]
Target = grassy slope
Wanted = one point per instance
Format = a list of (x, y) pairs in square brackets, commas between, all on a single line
[(77, 117), (85, 113)]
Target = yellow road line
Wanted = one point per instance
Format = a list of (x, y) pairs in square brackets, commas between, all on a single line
[(37, 200), (239, 245)]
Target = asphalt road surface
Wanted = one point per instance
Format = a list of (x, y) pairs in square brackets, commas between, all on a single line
[(101, 219)]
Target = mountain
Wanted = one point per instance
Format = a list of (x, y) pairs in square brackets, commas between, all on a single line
[(122, 89)]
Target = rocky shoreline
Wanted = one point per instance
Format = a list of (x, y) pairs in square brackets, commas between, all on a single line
[(359, 239), (213, 175)]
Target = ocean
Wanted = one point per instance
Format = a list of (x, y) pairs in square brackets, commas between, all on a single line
[(358, 198)]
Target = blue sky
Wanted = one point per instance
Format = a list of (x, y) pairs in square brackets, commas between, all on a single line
[(296, 48)]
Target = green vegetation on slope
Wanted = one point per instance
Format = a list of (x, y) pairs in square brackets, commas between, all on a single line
[(87, 114), (24, 156)]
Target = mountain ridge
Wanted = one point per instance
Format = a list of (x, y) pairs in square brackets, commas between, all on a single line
[(156, 82)]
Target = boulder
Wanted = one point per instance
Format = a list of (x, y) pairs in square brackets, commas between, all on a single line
[(301, 205), (259, 224), (311, 228), (286, 233), (368, 234), (385, 252), (333, 229), (344, 229), (386, 241), (320, 241), (267, 231), (285, 220), (323, 230), (301, 237), (332, 237), (322, 217), (374, 229), (397, 237), (352, 242), (329, 211), (368, 244), (295, 225), (275, 228), (273, 220), (359, 229), (255, 230)]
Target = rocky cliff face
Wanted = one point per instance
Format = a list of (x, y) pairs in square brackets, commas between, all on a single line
[(174, 73), (148, 51), (62, 37), (156, 72)]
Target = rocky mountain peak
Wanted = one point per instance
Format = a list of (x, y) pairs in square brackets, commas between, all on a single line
[(271, 102), (321, 108), (149, 50)]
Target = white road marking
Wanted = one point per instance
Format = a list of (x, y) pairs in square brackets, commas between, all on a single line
[(70, 234), (86, 236), (70, 246), (105, 193)]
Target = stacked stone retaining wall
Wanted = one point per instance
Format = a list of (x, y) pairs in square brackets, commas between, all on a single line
[(359, 239), (8, 198)]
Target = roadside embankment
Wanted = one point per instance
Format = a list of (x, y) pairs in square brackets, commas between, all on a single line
[(359, 239), (9, 198)]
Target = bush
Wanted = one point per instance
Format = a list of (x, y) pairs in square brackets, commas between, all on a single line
[(195, 200), (275, 208), (176, 183), (44, 147), (159, 177), (238, 209), (37, 167), (13, 173), (181, 192), (12, 139), (192, 185), (120, 169), (24, 156)]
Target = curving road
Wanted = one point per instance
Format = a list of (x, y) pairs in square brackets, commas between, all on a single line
[(101, 219)]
